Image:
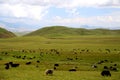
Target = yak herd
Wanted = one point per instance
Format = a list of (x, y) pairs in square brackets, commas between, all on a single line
[(105, 72)]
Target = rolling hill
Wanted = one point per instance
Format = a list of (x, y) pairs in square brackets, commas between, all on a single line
[(57, 31), (6, 34)]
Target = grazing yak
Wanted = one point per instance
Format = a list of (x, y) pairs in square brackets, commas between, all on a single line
[(49, 72), (106, 71), (13, 64), (72, 70), (56, 65), (114, 67), (28, 63), (7, 66), (94, 66)]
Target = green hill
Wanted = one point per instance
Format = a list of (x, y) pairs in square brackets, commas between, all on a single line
[(6, 34), (57, 31)]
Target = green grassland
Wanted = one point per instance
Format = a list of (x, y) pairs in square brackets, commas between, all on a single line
[(68, 42), (72, 51)]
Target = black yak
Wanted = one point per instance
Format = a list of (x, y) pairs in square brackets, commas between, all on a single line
[(56, 65), (28, 63), (72, 69), (13, 65), (49, 72), (7, 66), (105, 73)]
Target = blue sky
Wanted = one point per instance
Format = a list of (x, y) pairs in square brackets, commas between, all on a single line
[(30, 15)]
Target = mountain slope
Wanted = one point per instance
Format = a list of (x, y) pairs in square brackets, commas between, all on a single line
[(6, 34), (55, 31)]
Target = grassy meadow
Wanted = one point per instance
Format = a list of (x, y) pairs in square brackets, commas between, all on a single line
[(79, 52)]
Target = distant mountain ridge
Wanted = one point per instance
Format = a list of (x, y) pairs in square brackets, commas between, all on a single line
[(55, 31), (21, 33), (6, 34)]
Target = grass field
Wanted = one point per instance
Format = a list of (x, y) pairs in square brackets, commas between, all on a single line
[(69, 52)]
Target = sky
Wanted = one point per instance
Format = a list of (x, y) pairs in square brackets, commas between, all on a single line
[(30, 15)]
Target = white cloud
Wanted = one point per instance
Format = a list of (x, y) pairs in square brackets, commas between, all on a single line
[(82, 3), (36, 9), (64, 3), (23, 11), (28, 2), (112, 3), (69, 4), (111, 21)]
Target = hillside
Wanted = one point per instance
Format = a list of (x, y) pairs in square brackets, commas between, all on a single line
[(6, 34), (55, 31)]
